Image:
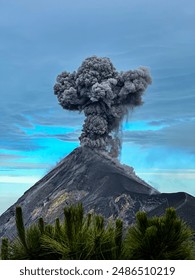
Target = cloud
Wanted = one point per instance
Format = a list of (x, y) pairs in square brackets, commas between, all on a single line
[(170, 180), (179, 135), (24, 165), (179, 173), (21, 131), (9, 156), (19, 179)]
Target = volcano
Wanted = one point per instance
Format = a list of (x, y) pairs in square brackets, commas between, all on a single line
[(102, 185)]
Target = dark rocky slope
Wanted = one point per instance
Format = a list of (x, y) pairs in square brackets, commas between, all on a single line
[(103, 185)]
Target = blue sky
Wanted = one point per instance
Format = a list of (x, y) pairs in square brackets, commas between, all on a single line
[(40, 39)]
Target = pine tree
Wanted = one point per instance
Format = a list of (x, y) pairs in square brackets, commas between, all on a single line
[(5, 249), (41, 225), (27, 245), (166, 237), (20, 226), (89, 237), (83, 237), (118, 238)]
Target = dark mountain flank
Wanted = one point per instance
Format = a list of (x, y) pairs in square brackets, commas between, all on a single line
[(103, 185)]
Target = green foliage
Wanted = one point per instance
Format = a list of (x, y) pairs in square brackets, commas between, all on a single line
[(31, 249), (20, 226), (27, 245), (166, 237), (89, 237), (5, 249), (118, 237), (41, 225), (80, 237)]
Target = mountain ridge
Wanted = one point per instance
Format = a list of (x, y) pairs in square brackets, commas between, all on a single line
[(102, 185)]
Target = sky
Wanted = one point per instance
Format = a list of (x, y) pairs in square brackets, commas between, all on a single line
[(39, 39)]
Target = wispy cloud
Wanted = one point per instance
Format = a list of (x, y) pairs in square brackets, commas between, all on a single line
[(19, 179), (180, 134), (170, 180), (177, 173)]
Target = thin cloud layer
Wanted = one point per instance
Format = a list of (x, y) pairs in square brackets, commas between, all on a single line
[(179, 135)]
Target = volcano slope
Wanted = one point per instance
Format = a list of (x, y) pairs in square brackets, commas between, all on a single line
[(102, 185)]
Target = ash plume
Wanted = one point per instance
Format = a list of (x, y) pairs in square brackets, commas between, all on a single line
[(105, 96)]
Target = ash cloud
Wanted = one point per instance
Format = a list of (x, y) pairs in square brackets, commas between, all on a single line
[(104, 96)]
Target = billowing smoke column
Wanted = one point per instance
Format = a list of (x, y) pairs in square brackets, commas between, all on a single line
[(105, 96)]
